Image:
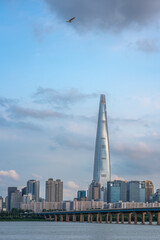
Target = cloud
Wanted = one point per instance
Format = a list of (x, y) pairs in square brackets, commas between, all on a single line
[(115, 15), (70, 190), (9, 174), (37, 176), (34, 113), (71, 184), (61, 99), (74, 141), (18, 124), (5, 102), (115, 177), (148, 46), (136, 158)]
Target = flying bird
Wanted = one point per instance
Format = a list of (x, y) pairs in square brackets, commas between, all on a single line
[(70, 20)]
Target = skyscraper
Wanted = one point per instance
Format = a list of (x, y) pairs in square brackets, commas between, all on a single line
[(33, 188), (10, 191), (116, 191), (102, 171), (16, 199)]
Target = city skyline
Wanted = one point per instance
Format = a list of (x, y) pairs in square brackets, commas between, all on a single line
[(52, 74)]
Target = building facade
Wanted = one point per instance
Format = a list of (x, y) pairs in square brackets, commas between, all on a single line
[(156, 196), (33, 187), (102, 171), (16, 199), (58, 190), (149, 191), (81, 194), (10, 191), (54, 190), (1, 204), (94, 191), (136, 191)]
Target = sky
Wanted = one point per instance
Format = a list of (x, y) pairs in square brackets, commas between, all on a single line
[(51, 76)]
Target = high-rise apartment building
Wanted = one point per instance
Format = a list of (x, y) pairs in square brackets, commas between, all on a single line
[(1, 204), (54, 190), (102, 172), (149, 191), (10, 191), (58, 190), (33, 187), (50, 190)]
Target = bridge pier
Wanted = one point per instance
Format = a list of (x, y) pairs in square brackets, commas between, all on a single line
[(117, 221), (97, 218), (158, 218), (67, 218), (100, 218), (150, 218), (110, 217), (143, 217), (55, 218), (74, 218), (135, 218), (61, 218), (107, 218), (81, 218), (89, 218), (129, 218), (122, 218)]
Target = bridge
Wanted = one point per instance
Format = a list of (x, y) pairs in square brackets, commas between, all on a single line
[(105, 215)]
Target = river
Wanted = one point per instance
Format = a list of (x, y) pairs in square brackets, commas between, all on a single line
[(76, 231)]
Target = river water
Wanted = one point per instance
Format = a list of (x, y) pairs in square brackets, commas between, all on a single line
[(76, 231)]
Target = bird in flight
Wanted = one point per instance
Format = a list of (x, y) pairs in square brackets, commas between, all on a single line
[(70, 20)]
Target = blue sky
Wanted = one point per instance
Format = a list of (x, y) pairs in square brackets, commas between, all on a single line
[(52, 74)]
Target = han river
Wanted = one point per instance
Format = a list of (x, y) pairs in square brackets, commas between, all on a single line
[(76, 231)]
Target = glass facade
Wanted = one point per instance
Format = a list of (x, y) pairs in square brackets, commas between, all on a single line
[(102, 172)]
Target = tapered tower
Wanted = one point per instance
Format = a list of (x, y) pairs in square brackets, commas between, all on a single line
[(102, 171)]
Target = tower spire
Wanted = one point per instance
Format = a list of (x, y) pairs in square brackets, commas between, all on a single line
[(102, 171)]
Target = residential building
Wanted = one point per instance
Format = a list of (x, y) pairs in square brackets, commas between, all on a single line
[(1, 203), (54, 190)]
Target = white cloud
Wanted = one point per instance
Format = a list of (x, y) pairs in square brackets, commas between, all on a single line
[(10, 174), (115, 177), (71, 184)]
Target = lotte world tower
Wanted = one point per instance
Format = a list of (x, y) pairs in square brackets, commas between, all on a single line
[(102, 170)]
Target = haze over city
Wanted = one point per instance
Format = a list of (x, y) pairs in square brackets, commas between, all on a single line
[(52, 75)]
